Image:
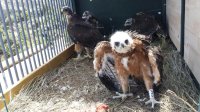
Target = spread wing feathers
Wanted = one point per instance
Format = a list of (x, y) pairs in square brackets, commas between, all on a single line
[(108, 76), (86, 34)]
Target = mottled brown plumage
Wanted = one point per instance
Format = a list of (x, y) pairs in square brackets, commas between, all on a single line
[(131, 58), (81, 32)]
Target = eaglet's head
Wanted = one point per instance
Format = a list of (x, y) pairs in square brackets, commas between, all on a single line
[(121, 42), (86, 15), (66, 10)]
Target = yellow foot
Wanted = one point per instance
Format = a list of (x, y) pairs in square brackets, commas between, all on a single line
[(88, 56), (122, 96), (78, 58)]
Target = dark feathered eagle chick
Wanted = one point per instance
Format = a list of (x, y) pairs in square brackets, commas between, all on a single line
[(83, 34), (88, 17), (91, 19), (144, 24)]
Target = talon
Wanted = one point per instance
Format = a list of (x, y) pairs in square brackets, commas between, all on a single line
[(153, 101), (123, 96), (78, 58), (88, 56)]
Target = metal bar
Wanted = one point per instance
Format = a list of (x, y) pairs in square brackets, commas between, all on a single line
[(62, 3), (68, 3), (3, 98), (64, 26), (38, 37), (55, 16), (42, 31), (70, 42), (1, 69), (13, 37), (3, 74), (47, 36), (5, 56), (8, 41), (60, 23), (54, 23), (19, 36), (65, 22), (17, 52), (23, 33), (34, 40), (51, 19), (182, 32), (27, 28)]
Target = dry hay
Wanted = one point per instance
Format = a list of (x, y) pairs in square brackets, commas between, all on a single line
[(73, 87)]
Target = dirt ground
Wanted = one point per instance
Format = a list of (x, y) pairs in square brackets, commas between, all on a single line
[(73, 87)]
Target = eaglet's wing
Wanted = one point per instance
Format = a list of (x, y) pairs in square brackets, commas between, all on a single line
[(85, 34)]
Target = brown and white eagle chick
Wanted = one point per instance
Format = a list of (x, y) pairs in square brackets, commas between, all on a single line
[(131, 58)]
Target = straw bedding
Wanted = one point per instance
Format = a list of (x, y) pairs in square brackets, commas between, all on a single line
[(73, 87)]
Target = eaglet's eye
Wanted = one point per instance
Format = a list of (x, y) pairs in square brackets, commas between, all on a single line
[(116, 43), (126, 42)]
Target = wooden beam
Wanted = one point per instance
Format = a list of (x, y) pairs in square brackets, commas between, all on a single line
[(53, 63)]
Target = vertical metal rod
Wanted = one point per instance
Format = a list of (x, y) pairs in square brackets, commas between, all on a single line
[(13, 37), (64, 26), (5, 56), (33, 32), (182, 32), (27, 29), (67, 2), (58, 8), (1, 69), (19, 37), (49, 33), (24, 36), (69, 40), (3, 98), (43, 31), (38, 37), (3, 74), (61, 22), (17, 52), (65, 23), (51, 19), (40, 29), (70, 4), (64, 36), (56, 17), (8, 41), (51, 36), (54, 23)]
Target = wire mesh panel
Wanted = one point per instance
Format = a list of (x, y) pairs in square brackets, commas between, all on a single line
[(31, 33)]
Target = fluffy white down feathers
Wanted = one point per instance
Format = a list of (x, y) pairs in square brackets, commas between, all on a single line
[(121, 42)]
